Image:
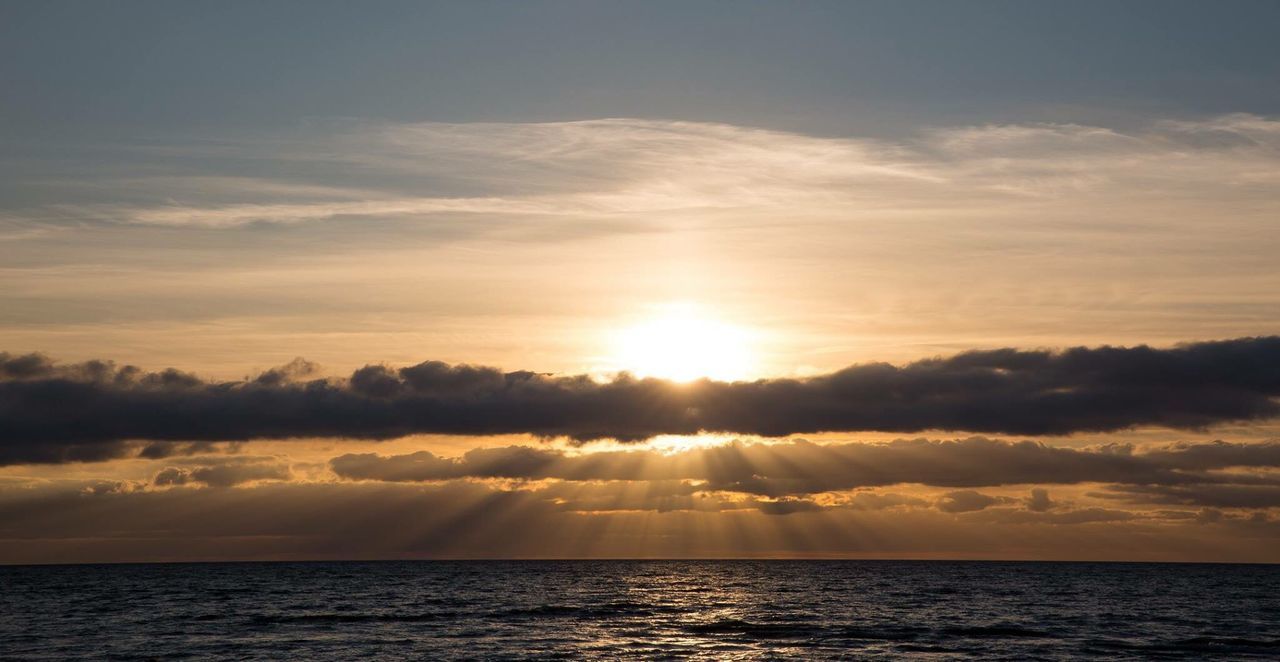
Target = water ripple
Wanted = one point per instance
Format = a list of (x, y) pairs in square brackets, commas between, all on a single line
[(641, 610)]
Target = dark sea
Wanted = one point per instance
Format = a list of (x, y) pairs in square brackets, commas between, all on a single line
[(641, 609)]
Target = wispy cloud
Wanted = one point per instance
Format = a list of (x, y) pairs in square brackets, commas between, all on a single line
[(629, 166)]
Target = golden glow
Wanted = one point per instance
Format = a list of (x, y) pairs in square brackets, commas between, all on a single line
[(682, 343)]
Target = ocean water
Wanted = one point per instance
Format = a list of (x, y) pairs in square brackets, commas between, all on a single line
[(641, 609)]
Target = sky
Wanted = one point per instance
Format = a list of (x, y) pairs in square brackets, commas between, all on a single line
[(305, 280)]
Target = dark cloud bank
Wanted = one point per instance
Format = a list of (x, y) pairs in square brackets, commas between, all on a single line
[(89, 411)]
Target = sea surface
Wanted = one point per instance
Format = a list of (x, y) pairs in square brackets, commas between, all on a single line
[(641, 609)]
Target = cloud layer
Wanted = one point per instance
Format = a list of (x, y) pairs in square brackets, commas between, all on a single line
[(51, 412), (588, 169), (803, 468), (477, 519)]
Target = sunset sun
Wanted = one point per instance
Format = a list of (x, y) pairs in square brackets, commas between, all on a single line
[(682, 342)]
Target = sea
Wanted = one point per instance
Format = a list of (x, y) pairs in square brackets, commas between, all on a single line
[(712, 610)]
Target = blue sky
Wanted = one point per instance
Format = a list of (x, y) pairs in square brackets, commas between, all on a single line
[(136, 69)]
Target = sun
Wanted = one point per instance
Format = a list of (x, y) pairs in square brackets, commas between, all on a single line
[(683, 343)]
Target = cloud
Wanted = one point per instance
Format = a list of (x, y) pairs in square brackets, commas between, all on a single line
[(965, 501), (51, 412), (1066, 517), (224, 472), (786, 506), (470, 519), (511, 170), (1039, 501), (800, 468), (161, 449), (1212, 495), (101, 487), (1217, 455), (627, 166), (293, 371), (880, 501)]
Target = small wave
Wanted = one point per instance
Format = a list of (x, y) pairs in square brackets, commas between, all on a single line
[(621, 609), (757, 630), (1209, 644), (884, 633), (541, 610), (982, 631), (1204, 645), (932, 649), (271, 619)]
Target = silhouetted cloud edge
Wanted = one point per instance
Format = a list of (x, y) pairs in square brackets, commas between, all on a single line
[(52, 412)]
